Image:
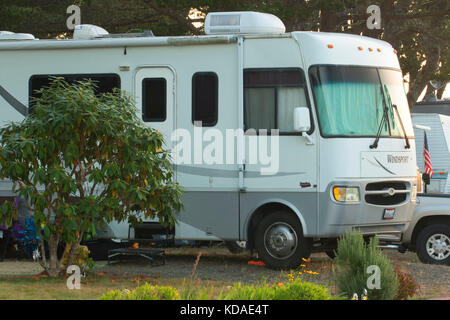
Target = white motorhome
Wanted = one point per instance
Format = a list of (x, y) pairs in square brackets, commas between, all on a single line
[(344, 156)]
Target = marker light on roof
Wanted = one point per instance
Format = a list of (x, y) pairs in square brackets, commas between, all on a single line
[(360, 48), (330, 46)]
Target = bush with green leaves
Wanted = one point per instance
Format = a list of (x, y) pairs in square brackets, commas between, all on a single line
[(144, 292), (292, 290), (80, 160), (353, 258)]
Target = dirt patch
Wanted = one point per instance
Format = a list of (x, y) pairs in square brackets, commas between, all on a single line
[(217, 264), (17, 268)]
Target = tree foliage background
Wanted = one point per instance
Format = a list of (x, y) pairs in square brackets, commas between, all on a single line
[(418, 29)]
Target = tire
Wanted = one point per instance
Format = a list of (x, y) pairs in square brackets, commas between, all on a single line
[(234, 247), (279, 241), (433, 244)]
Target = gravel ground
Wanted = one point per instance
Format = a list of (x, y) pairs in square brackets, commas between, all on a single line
[(217, 264)]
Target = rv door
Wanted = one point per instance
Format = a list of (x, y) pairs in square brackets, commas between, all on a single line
[(154, 94)]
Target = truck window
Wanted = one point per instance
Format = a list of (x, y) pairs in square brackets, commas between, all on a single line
[(154, 99), (270, 97), (205, 98)]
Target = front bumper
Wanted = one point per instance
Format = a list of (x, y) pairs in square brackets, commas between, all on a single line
[(337, 217)]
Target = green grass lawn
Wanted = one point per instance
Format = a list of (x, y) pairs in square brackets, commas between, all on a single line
[(92, 287)]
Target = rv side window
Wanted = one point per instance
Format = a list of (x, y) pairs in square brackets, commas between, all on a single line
[(270, 97), (104, 82), (205, 98), (154, 99)]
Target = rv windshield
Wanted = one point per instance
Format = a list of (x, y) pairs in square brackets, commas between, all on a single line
[(349, 101)]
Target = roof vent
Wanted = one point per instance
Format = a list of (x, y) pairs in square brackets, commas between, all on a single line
[(88, 32), (11, 36), (243, 23)]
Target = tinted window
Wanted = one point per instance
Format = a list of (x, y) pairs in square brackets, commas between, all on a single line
[(154, 99), (270, 97), (104, 82), (205, 97)]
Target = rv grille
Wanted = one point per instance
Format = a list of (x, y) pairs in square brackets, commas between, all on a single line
[(386, 193)]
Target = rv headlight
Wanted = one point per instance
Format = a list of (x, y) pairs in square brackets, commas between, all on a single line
[(346, 194)]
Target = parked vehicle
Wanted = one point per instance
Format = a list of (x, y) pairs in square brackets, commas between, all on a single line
[(438, 138), (344, 157), (429, 231)]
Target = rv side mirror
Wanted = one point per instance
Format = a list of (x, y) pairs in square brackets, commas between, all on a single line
[(426, 178), (302, 121)]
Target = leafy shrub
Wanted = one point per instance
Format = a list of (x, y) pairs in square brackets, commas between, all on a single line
[(144, 292), (353, 257), (408, 286), (293, 290), (81, 258)]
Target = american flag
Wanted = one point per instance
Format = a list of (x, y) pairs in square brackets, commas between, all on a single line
[(426, 156)]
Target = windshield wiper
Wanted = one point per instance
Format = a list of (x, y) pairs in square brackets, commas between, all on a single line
[(394, 106), (374, 145)]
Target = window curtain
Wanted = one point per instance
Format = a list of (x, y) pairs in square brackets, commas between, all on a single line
[(288, 99), (260, 108), (350, 108)]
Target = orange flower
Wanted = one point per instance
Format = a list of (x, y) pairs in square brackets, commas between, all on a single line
[(280, 284)]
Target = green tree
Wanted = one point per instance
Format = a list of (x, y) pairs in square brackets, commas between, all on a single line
[(81, 160)]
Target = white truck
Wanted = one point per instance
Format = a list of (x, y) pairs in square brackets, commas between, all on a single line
[(429, 231), (282, 140)]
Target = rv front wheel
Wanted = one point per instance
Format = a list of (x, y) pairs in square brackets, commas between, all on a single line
[(279, 241)]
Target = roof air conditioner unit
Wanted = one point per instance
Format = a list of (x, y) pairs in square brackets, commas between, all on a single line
[(88, 32), (11, 36), (243, 23)]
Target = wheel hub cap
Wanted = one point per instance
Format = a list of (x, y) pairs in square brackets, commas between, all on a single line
[(438, 246), (280, 240)]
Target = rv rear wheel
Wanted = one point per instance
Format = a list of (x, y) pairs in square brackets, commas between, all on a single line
[(433, 244), (279, 241)]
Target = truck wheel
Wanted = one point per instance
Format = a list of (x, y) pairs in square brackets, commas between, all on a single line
[(433, 244), (279, 241), (235, 247)]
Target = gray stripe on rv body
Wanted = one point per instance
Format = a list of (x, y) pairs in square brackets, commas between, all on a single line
[(22, 109), (226, 215), (223, 173)]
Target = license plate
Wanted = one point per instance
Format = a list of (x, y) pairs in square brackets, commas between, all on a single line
[(389, 214)]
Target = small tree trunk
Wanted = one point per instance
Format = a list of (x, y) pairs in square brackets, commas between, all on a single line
[(53, 267), (73, 247)]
